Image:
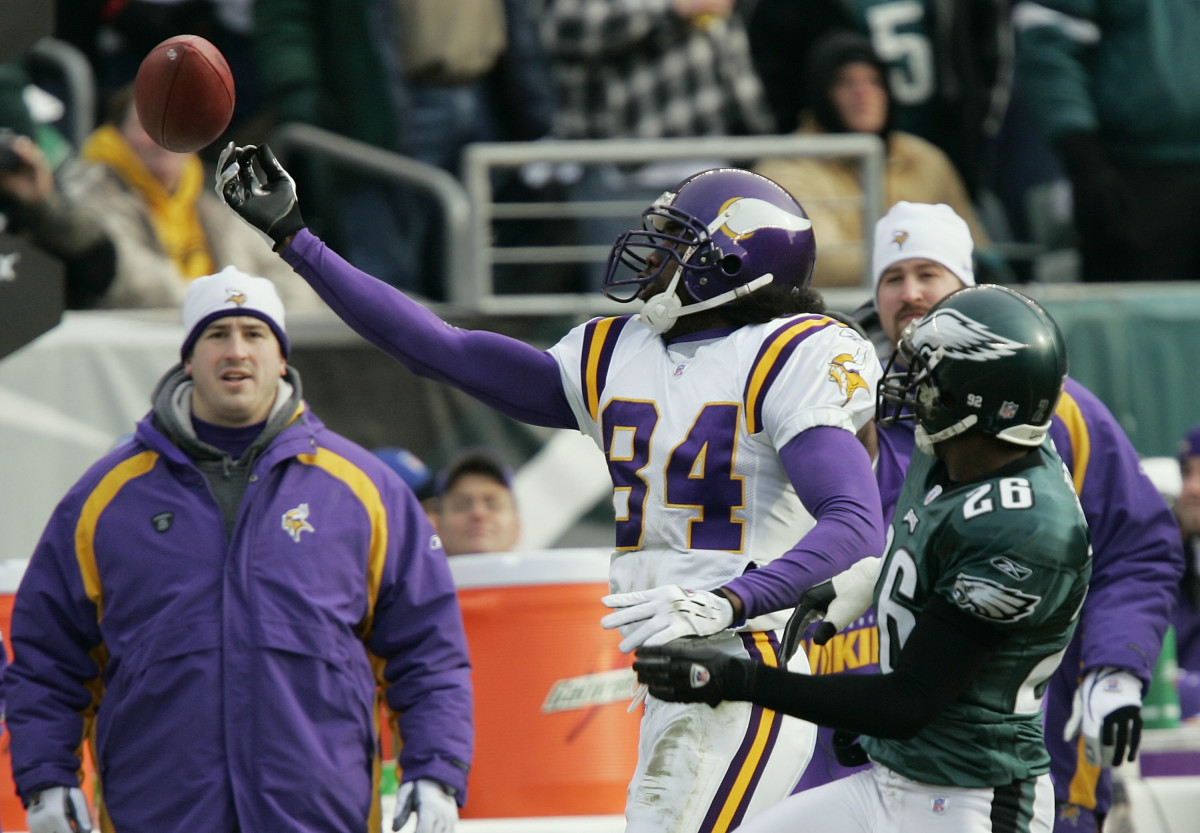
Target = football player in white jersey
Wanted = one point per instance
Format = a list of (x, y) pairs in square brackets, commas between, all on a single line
[(727, 410), (978, 595)]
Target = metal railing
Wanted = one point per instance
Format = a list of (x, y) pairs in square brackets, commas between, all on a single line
[(470, 214), (70, 67), (482, 162), (359, 157)]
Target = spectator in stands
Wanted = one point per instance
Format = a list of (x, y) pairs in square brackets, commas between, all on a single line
[(948, 66), (676, 68), (167, 225), (423, 78), (921, 254), (219, 598), (1115, 88), (849, 93), (413, 471), (1187, 615), (32, 155), (476, 509)]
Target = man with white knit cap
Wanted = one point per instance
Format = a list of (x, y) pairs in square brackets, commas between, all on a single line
[(234, 583), (922, 253)]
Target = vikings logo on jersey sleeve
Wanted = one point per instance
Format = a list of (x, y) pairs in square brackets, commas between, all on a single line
[(295, 521), (846, 372)]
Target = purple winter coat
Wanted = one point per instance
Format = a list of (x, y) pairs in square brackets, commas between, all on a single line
[(230, 684)]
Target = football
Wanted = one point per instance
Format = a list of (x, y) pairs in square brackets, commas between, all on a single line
[(184, 93)]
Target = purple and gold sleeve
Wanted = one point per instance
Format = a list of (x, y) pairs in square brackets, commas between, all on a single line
[(515, 378), (1137, 552)]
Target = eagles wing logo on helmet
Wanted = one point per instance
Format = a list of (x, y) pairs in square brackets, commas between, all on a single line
[(960, 337), (992, 600), (745, 215)]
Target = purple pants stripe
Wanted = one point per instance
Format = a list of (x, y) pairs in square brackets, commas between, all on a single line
[(745, 770)]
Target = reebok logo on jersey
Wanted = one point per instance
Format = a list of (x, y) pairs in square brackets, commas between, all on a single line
[(991, 600), (1011, 568), (295, 521)]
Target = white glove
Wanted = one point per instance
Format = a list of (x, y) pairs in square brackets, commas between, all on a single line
[(1108, 709), (435, 808), (667, 613), (58, 810), (839, 602)]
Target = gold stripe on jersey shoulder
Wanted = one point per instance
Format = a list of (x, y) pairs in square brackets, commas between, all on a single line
[(591, 380), (756, 389)]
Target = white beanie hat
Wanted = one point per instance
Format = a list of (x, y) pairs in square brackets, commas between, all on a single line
[(231, 292), (922, 230)]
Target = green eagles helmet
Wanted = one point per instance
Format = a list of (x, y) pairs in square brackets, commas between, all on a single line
[(985, 358)]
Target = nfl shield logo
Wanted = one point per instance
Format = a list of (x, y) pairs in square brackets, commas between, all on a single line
[(1008, 410), (938, 805), (679, 369)]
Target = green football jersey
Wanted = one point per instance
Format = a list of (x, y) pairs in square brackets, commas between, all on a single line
[(1012, 550)]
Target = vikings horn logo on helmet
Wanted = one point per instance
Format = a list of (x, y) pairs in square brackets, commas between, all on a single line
[(960, 337), (745, 215)]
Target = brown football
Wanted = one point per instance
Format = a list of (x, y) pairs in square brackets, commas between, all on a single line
[(184, 93)]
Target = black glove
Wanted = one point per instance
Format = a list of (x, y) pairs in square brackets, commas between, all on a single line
[(270, 207), (1104, 206), (814, 604), (693, 674), (847, 749)]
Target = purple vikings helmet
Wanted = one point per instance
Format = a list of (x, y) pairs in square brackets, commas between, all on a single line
[(731, 231)]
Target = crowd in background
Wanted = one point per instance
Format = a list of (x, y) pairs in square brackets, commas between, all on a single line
[(998, 109)]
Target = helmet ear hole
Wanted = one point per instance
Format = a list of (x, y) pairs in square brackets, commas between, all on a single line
[(731, 264)]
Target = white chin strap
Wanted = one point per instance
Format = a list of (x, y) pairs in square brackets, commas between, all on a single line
[(659, 312)]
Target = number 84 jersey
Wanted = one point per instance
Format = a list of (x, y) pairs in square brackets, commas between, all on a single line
[(1012, 550), (690, 429)]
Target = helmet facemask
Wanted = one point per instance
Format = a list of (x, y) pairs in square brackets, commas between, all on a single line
[(677, 238)]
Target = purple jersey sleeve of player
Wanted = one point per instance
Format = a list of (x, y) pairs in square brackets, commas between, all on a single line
[(831, 473), (1138, 555), (515, 378)]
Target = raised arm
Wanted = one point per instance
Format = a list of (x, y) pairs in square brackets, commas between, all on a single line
[(515, 378)]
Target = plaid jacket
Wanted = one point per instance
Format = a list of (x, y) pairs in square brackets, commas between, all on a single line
[(634, 69)]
